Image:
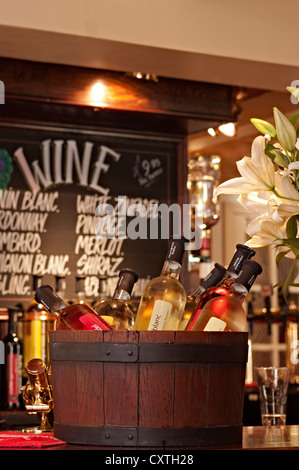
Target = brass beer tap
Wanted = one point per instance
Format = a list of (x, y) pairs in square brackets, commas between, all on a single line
[(37, 395)]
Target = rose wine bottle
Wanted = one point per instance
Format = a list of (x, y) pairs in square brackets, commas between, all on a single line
[(163, 299), (70, 317), (241, 254), (116, 311), (226, 313), (212, 279)]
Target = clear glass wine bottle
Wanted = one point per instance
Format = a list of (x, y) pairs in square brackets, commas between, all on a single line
[(116, 311), (163, 299)]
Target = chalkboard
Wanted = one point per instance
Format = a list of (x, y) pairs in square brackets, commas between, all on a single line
[(52, 180)]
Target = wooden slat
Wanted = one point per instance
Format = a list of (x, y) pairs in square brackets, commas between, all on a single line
[(120, 386)]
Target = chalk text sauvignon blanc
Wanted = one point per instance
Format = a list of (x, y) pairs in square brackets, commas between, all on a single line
[(163, 300)]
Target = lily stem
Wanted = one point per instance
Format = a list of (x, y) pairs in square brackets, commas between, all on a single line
[(283, 197)]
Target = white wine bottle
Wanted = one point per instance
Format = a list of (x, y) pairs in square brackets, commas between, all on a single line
[(163, 300), (116, 311)]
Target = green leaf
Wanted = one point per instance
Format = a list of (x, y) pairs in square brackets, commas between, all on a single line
[(288, 280), (264, 127), (280, 158), (293, 119), (291, 227), (280, 255)]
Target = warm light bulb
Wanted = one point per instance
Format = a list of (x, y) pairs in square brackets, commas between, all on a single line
[(97, 94), (211, 131), (228, 129)]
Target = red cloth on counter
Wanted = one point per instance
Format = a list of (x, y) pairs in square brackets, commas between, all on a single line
[(24, 439)]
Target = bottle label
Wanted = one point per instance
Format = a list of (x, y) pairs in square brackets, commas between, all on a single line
[(160, 315), (215, 324), (92, 322)]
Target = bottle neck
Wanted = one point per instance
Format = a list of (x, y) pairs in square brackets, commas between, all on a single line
[(198, 291), (171, 268), (121, 294), (228, 279), (12, 323), (238, 291)]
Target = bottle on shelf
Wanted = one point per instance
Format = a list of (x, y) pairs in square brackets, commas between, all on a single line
[(163, 300), (226, 313), (37, 322), (102, 292), (241, 254), (116, 311), (212, 279), (60, 286), (70, 317), (79, 290), (11, 370)]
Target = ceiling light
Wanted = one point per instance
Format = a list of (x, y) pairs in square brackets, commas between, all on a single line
[(212, 132), (97, 93), (228, 129)]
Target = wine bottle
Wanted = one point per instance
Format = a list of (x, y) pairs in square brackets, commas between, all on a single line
[(163, 300), (37, 323), (11, 370), (116, 311), (70, 317), (212, 279), (226, 313), (241, 254)]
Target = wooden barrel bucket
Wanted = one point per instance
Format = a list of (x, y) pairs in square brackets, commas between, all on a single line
[(142, 389)]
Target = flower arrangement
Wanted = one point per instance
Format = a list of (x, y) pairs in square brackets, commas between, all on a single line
[(269, 187)]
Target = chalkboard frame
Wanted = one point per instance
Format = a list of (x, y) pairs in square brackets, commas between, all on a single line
[(62, 130)]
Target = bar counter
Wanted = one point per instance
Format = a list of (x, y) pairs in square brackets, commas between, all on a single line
[(254, 438)]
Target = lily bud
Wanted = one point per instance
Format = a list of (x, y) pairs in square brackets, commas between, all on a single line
[(294, 91), (264, 127), (286, 133)]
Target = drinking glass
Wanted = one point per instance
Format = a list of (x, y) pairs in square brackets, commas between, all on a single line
[(273, 387)]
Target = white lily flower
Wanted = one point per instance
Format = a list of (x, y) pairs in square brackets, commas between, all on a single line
[(257, 173), (264, 232)]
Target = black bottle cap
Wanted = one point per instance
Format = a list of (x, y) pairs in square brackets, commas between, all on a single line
[(242, 253), (214, 276), (248, 274), (127, 279), (176, 249), (46, 296)]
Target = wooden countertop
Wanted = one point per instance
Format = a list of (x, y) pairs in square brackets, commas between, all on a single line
[(254, 438)]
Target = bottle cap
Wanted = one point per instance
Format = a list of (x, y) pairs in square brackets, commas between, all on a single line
[(176, 249), (214, 276), (242, 253), (127, 279), (248, 273), (46, 296)]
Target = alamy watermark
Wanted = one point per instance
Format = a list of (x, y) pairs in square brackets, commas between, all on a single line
[(2, 92), (152, 221)]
